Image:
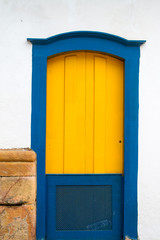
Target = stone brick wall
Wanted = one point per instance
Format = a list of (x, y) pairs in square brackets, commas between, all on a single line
[(17, 194)]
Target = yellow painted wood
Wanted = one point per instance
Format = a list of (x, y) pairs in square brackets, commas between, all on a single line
[(89, 113), (100, 68), (55, 115), (74, 149), (114, 116), (84, 132)]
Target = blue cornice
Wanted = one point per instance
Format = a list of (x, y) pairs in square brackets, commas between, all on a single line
[(92, 34)]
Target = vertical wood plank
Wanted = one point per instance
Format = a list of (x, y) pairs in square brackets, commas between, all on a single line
[(55, 115), (100, 115), (114, 116), (74, 157), (81, 113), (89, 111), (70, 114)]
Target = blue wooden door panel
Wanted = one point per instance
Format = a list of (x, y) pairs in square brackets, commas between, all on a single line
[(84, 207)]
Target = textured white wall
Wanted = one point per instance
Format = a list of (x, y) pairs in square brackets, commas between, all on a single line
[(132, 19)]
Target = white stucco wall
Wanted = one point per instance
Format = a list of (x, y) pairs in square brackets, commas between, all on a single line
[(132, 19)]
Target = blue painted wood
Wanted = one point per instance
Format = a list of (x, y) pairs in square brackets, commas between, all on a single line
[(129, 51), (88, 34), (131, 145), (114, 180), (38, 138)]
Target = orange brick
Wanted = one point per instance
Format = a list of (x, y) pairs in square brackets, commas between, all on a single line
[(17, 190), (17, 155), (18, 222), (17, 168)]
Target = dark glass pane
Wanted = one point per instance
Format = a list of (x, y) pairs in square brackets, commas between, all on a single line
[(84, 208)]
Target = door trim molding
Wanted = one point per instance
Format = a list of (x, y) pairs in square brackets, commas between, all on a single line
[(81, 34), (129, 51)]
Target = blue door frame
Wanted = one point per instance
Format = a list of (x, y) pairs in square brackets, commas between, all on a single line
[(127, 50)]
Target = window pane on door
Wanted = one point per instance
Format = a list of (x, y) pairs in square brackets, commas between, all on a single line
[(84, 208)]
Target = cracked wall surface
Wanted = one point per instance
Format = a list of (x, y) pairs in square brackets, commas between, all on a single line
[(17, 194)]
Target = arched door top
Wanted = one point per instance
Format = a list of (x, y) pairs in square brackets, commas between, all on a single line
[(83, 34), (86, 40)]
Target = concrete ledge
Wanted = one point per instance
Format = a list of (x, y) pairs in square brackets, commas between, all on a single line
[(17, 155)]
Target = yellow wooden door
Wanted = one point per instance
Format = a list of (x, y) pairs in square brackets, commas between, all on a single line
[(84, 122)]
